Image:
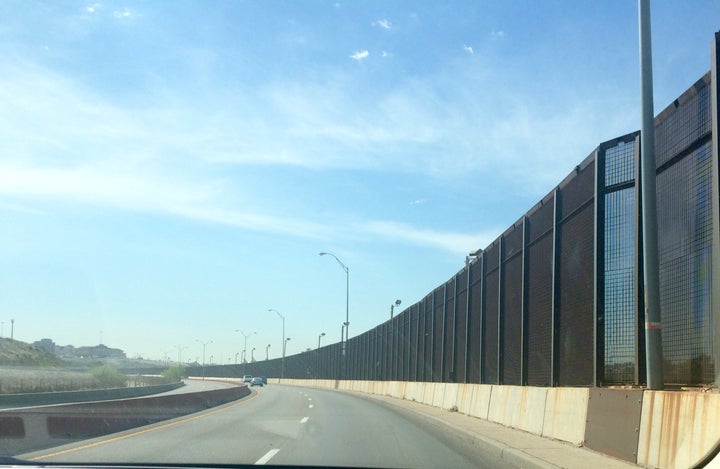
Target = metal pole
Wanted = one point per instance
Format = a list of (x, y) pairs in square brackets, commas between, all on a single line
[(653, 320), (282, 366)]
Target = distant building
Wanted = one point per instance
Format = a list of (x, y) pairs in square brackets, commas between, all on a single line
[(69, 351), (46, 344)]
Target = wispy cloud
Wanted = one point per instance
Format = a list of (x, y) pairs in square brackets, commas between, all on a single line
[(497, 34), (360, 55), (383, 23), (418, 201), (468, 49), (459, 243), (123, 14)]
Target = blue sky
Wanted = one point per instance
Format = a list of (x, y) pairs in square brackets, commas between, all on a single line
[(169, 171)]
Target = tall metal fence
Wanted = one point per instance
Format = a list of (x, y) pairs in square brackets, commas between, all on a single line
[(557, 299)]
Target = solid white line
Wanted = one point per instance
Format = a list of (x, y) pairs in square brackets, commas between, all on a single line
[(310, 406), (267, 457), (305, 419)]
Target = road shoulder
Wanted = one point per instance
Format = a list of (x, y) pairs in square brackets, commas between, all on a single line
[(515, 447)]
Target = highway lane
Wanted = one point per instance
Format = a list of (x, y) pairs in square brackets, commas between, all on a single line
[(197, 385), (284, 425)]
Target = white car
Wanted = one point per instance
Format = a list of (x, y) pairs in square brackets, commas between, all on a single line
[(247, 378)]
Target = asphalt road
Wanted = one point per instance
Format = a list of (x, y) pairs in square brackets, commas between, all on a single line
[(285, 425), (197, 385)]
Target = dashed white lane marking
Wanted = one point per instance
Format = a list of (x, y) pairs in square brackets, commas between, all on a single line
[(267, 457), (309, 398), (310, 406), (305, 419)]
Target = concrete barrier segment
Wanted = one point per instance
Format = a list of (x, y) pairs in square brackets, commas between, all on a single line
[(566, 414), (44, 427), (677, 428)]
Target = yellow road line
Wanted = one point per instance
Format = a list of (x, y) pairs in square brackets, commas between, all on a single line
[(147, 430)]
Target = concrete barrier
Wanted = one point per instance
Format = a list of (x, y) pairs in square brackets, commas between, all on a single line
[(31, 429), (66, 397), (532, 409), (566, 414), (677, 428)]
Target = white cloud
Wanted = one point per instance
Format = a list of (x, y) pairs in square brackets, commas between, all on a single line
[(468, 49), (386, 54), (459, 243), (418, 201), (120, 14), (497, 34), (360, 55), (383, 23)]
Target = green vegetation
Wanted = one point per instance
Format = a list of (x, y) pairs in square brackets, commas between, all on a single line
[(108, 376), (174, 374)]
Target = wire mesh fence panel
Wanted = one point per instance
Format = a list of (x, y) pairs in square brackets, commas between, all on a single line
[(512, 320), (475, 322), (413, 339), (448, 332), (575, 322), (685, 246), (490, 339), (438, 332), (460, 352)]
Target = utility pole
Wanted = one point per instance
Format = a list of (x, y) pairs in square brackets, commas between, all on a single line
[(12, 329), (653, 317)]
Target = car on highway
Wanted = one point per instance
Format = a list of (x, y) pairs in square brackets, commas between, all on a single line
[(247, 378), (256, 381), (264, 379)]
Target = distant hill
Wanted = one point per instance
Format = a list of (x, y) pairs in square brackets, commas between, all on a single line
[(17, 353)]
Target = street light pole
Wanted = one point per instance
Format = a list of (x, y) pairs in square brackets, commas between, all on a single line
[(653, 316), (266, 352), (204, 344), (392, 307), (252, 355), (282, 366), (346, 324), (347, 289), (322, 334), (284, 348), (245, 342), (180, 348)]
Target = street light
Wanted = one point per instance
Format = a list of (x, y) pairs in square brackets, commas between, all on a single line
[(285, 345), (252, 355), (322, 334), (282, 366), (236, 354), (204, 344), (392, 307), (266, 352), (180, 348), (245, 342), (347, 288)]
